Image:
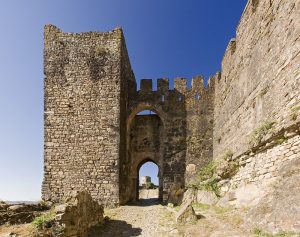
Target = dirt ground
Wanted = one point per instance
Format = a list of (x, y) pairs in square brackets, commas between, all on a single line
[(149, 218)]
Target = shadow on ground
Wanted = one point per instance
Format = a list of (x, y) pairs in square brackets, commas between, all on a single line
[(145, 202), (114, 228)]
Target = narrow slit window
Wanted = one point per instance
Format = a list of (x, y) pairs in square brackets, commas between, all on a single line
[(180, 99), (197, 96), (162, 98)]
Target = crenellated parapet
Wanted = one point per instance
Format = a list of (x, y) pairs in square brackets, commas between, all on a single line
[(180, 87)]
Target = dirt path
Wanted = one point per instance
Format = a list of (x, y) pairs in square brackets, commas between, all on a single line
[(148, 218), (145, 218)]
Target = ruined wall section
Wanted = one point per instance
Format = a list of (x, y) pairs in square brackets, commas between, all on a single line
[(199, 135), (258, 95), (82, 114)]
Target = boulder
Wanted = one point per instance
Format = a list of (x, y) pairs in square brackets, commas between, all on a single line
[(186, 213), (206, 197), (75, 217), (189, 195)]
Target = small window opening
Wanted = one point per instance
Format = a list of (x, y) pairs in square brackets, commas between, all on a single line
[(180, 99), (197, 96), (162, 98)]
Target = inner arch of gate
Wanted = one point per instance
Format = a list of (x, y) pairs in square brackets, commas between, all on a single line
[(145, 142)]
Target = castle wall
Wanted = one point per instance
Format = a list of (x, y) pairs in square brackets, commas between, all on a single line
[(199, 122), (83, 81), (187, 118), (165, 103), (128, 86), (262, 168), (257, 98), (258, 92)]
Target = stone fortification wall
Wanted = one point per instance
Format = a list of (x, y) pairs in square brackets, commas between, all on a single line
[(83, 82), (91, 102), (258, 92), (199, 118), (187, 121), (257, 101)]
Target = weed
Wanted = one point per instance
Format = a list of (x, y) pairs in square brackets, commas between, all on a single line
[(45, 220), (228, 155), (210, 185), (257, 134), (294, 112), (280, 141), (201, 206), (259, 233), (208, 171)]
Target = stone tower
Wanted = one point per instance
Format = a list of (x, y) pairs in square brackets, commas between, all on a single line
[(94, 139)]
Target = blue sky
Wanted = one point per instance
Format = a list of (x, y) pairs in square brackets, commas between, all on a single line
[(165, 38)]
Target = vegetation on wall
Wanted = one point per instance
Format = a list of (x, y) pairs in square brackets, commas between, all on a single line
[(258, 134), (294, 112), (209, 176)]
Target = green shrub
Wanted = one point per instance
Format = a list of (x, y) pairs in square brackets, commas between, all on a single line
[(227, 155), (257, 134), (280, 141), (210, 185), (206, 179), (208, 171), (44, 221)]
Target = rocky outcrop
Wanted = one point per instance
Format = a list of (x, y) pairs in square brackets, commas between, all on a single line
[(186, 213), (279, 210), (200, 196), (19, 214), (206, 197), (74, 218)]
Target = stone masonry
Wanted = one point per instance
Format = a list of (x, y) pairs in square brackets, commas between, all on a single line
[(95, 140)]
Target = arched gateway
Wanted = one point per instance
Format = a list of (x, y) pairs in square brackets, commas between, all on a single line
[(94, 137)]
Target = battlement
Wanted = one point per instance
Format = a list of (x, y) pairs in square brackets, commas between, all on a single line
[(180, 85)]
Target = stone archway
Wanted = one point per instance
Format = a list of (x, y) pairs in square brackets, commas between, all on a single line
[(142, 162), (144, 142)]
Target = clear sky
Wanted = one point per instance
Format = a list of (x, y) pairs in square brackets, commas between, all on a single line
[(165, 38)]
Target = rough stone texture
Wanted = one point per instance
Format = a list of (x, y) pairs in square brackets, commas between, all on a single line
[(95, 140), (186, 214), (258, 172), (19, 214), (260, 75), (79, 214), (189, 195), (184, 128), (206, 197), (257, 104), (82, 107), (279, 210), (93, 137), (76, 217)]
